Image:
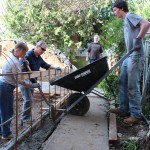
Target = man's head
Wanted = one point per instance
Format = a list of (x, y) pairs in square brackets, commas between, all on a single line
[(40, 48), (120, 8), (96, 39), (20, 49)]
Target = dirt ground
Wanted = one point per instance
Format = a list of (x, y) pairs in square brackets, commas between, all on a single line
[(48, 56), (125, 133), (35, 141), (129, 134), (36, 112)]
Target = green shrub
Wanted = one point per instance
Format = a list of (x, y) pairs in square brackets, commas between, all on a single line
[(129, 145), (110, 86)]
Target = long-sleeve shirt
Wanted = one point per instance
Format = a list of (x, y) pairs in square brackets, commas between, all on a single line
[(34, 62)]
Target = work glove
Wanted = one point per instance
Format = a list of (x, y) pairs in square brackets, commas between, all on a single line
[(137, 43), (35, 85), (53, 80), (58, 69), (87, 58), (25, 63)]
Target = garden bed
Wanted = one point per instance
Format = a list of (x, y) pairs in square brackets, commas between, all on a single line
[(131, 137)]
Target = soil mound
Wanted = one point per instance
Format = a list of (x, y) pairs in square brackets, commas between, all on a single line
[(49, 56)]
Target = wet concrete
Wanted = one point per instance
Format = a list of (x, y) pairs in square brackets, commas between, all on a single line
[(88, 132), (35, 141), (38, 137)]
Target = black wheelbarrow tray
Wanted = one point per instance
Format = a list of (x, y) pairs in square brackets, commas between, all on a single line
[(83, 81)]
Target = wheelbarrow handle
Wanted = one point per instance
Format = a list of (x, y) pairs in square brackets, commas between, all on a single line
[(120, 61), (110, 71)]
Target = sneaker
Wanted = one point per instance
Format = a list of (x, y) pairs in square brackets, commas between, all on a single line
[(132, 120), (118, 112), (9, 137)]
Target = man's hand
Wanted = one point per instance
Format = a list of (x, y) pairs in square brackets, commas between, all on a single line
[(53, 80), (35, 85), (137, 43), (58, 69), (87, 58), (25, 63)]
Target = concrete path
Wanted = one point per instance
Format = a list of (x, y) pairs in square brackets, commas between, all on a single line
[(89, 132)]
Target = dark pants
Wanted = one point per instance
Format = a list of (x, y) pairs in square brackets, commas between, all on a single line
[(6, 107)]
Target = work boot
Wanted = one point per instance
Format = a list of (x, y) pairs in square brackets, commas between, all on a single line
[(132, 120), (118, 112)]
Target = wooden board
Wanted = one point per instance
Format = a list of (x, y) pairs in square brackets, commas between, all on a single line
[(112, 128)]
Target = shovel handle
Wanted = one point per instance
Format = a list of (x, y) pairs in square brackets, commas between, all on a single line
[(27, 66)]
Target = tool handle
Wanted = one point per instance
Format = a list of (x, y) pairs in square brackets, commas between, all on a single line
[(27, 66)]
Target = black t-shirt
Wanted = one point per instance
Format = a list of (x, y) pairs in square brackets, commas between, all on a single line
[(95, 50)]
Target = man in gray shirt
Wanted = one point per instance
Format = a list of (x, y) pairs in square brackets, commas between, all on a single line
[(94, 50), (10, 76), (135, 28)]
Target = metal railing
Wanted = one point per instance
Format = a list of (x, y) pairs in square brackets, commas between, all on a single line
[(146, 83), (47, 102)]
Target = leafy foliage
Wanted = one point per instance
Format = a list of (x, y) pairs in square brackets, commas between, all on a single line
[(57, 22), (109, 86), (54, 23), (112, 38), (141, 7), (129, 145)]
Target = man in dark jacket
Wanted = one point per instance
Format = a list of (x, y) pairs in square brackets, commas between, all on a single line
[(34, 61)]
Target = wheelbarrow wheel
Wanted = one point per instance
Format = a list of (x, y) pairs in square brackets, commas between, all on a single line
[(80, 108)]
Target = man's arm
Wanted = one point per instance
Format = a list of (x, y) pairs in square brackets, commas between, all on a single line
[(45, 65), (48, 66), (145, 25), (101, 52), (88, 52), (87, 56)]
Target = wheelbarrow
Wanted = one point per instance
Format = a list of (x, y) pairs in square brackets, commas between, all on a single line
[(83, 81)]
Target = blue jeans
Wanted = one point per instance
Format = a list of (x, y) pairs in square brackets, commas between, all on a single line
[(6, 107), (129, 85), (27, 96)]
